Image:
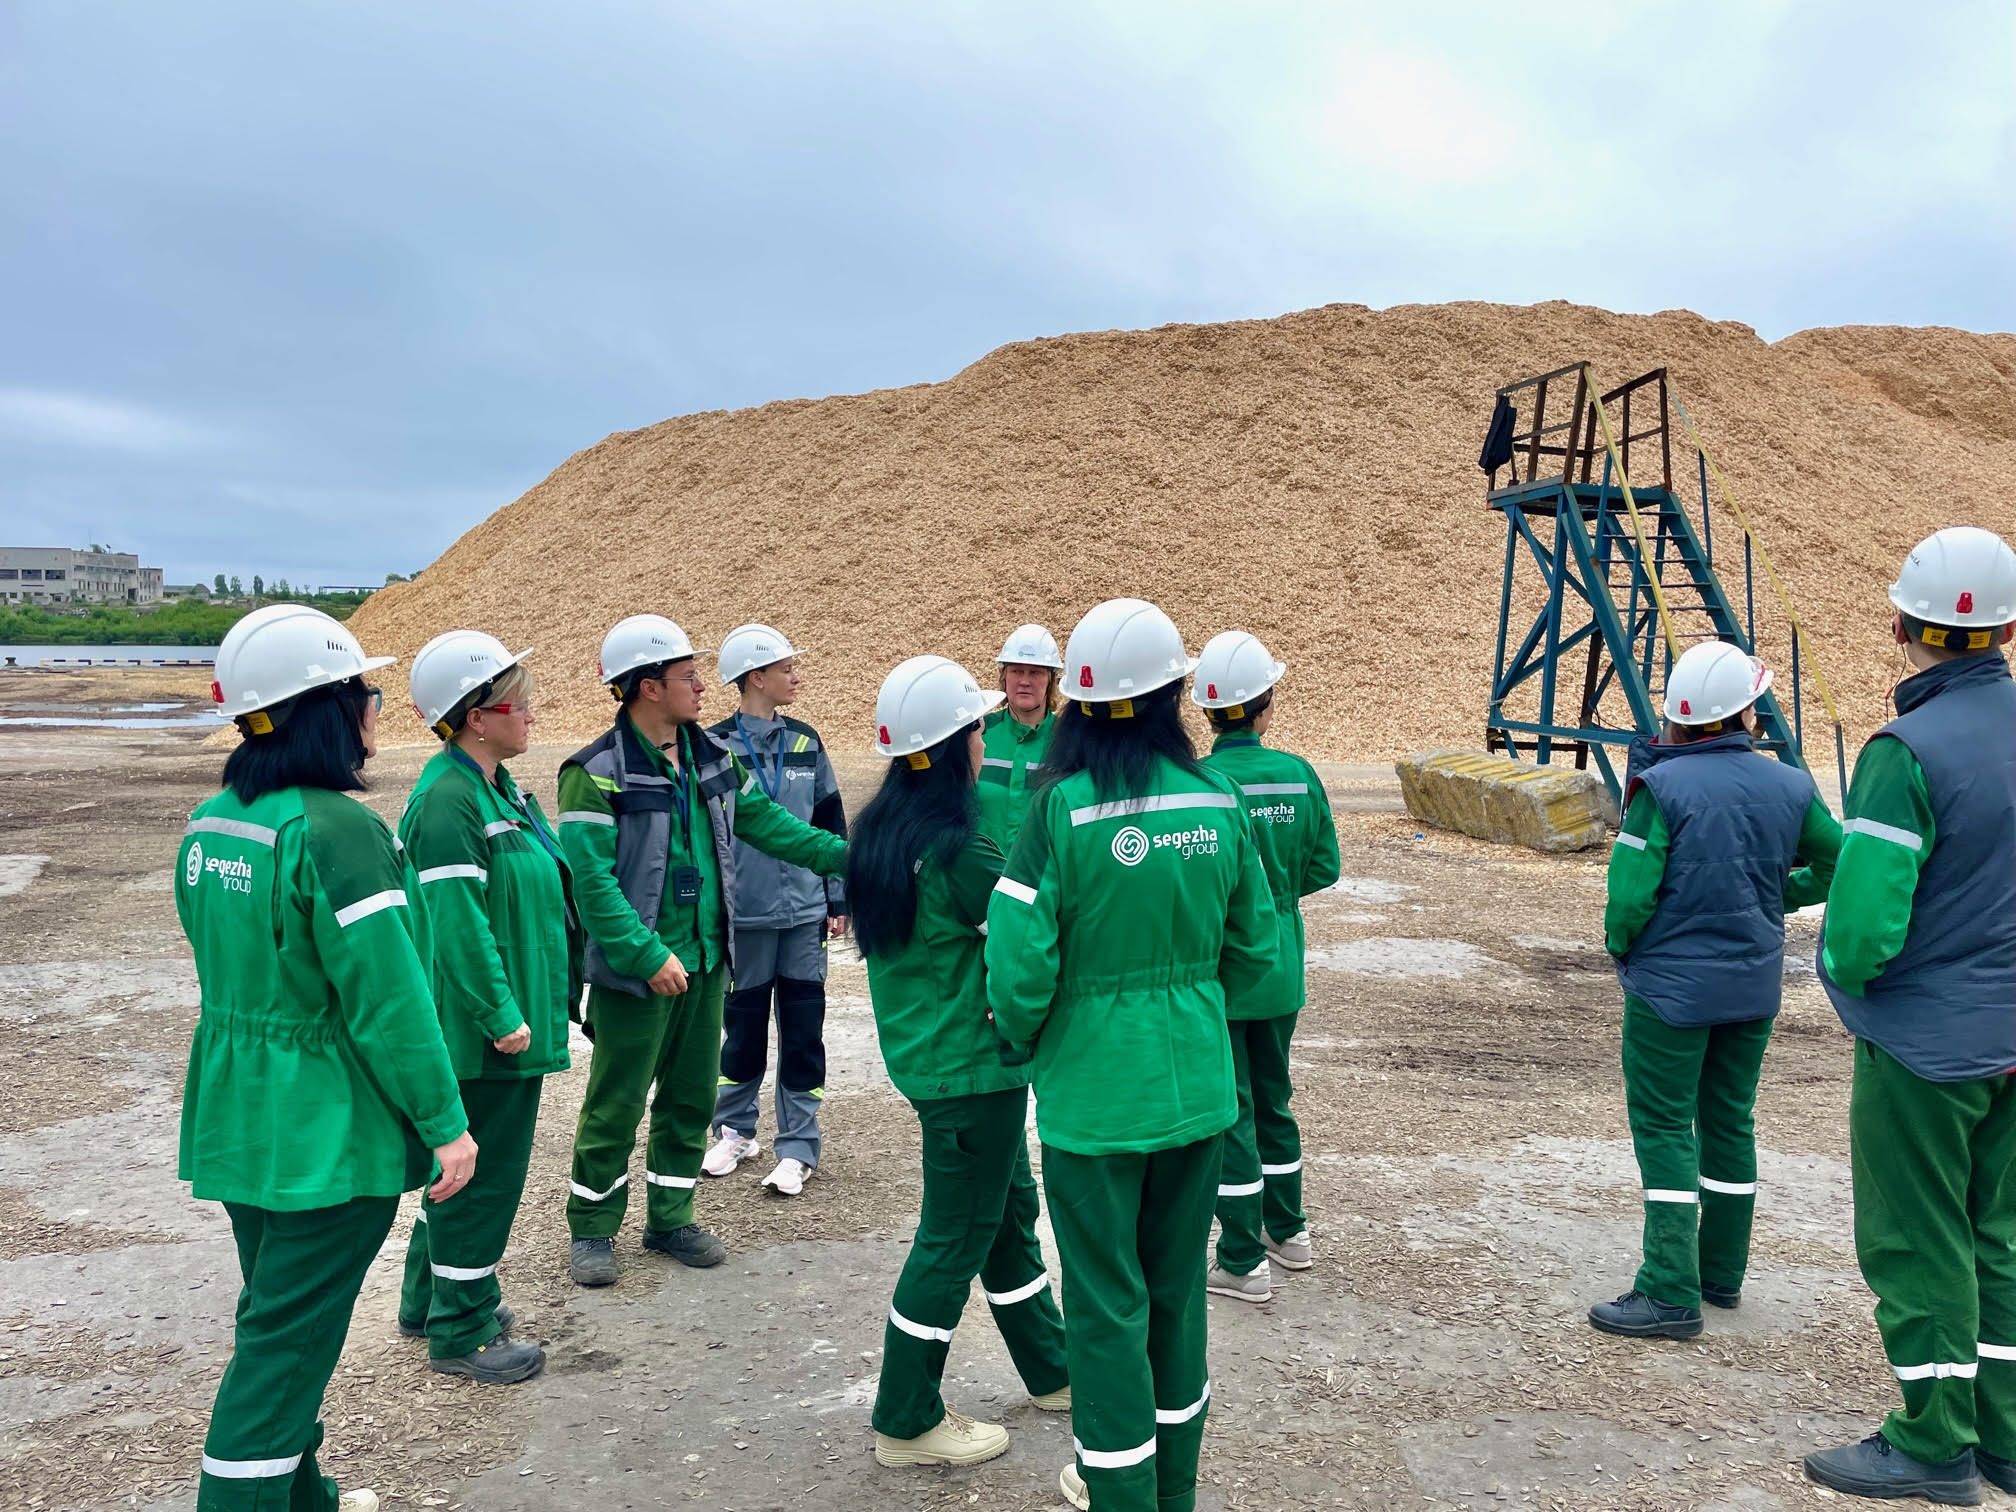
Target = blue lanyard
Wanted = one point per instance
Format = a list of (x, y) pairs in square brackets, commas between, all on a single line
[(770, 783)]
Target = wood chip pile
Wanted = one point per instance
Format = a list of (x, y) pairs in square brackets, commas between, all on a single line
[(1311, 478)]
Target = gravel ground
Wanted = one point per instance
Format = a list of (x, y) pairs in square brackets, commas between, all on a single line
[(1469, 1179)]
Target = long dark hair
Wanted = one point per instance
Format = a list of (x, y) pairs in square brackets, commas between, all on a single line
[(919, 814), (317, 741), (1120, 753)]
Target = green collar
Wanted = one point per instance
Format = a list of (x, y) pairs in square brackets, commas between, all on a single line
[(1235, 738), (1024, 732)]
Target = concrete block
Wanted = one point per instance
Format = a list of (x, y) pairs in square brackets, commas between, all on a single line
[(1545, 808)]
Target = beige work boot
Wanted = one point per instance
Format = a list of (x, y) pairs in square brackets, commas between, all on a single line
[(957, 1440), (1053, 1401), (1072, 1484), (358, 1501)]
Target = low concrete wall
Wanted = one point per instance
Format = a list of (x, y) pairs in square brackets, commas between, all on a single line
[(1545, 808)]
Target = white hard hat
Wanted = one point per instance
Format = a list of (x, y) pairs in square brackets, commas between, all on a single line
[(275, 653), (643, 640), (452, 666), (1234, 669), (1030, 646), (747, 648), (1123, 649), (924, 700), (1962, 577), (1714, 681)]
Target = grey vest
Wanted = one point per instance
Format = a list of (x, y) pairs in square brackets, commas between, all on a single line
[(642, 799), (1714, 952), (1945, 1005), (786, 754)]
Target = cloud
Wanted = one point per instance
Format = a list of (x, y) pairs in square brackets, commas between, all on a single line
[(47, 417)]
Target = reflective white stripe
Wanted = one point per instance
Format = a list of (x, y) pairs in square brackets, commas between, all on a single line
[(987, 761), (462, 1272), (1243, 1189), (1959, 1370), (250, 1469), (1664, 1194), (586, 816), (1114, 1459), (501, 827), (580, 1191), (1635, 842), (981, 927), (685, 1183), (363, 908), (1282, 1170), (1160, 803), (261, 835), (920, 1330), (1183, 1414), (1888, 832), (1264, 789), (1021, 1293), (419, 1215), (1996, 1351), (750, 783), (1016, 890), (1732, 1188), (462, 869)]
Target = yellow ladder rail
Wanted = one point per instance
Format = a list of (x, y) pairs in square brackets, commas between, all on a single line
[(1631, 504), (1763, 556)]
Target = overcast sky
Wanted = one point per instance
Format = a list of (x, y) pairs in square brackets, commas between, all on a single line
[(308, 289)]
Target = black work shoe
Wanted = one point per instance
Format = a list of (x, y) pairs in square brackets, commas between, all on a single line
[(502, 1362), (592, 1262), (1637, 1316), (505, 1318), (689, 1244), (1996, 1471), (1876, 1467), (1720, 1296)]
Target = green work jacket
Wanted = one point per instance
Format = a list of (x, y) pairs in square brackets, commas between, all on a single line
[(1012, 756), (317, 1074), (494, 905), (1115, 939), (1297, 839), (930, 997)]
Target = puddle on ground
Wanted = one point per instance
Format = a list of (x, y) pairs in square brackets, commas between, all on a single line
[(1392, 956)]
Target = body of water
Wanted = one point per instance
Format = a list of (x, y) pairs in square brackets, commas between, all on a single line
[(35, 656)]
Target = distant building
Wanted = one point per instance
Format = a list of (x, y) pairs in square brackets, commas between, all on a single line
[(174, 593), (59, 575)]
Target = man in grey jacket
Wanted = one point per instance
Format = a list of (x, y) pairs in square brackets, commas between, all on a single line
[(784, 916)]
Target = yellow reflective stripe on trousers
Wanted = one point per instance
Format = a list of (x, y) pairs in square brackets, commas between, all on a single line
[(264, 1469)]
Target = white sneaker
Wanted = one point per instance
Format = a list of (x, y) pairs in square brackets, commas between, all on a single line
[(729, 1151), (957, 1440), (1293, 1253), (1255, 1286), (358, 1501), (788, 1180)]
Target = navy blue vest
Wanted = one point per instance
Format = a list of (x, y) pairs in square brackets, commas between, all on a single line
[(1714, 952), (1946, 1005)]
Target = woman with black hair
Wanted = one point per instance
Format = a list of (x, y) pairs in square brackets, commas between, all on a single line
[(1133, 908), (920, 874), (318, 1082)]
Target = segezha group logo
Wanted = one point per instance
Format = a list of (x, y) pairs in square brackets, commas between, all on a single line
[(1131, 845), (192, 873)]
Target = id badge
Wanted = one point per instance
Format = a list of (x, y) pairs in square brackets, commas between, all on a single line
[(685, 884)]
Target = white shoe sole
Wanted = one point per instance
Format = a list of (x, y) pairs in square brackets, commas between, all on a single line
[(896, 1457), (707, 1165), (1240, 1296), (1287, 1264)]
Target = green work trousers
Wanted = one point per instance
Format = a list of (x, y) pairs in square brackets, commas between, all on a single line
[(451, 1261), (1261, 1185), (1691, 1095), (1935, 1230), (979, 1219), (1131, 1234), (302, 1272), (673, 1043)]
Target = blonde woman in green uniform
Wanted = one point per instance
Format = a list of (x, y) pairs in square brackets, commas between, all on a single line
[(1134, 909), (494, 889), (921, 874), (1260, 1217), (318, 1082), (1016, 737)]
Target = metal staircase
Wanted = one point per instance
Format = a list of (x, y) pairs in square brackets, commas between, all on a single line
[(1620, 582)]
